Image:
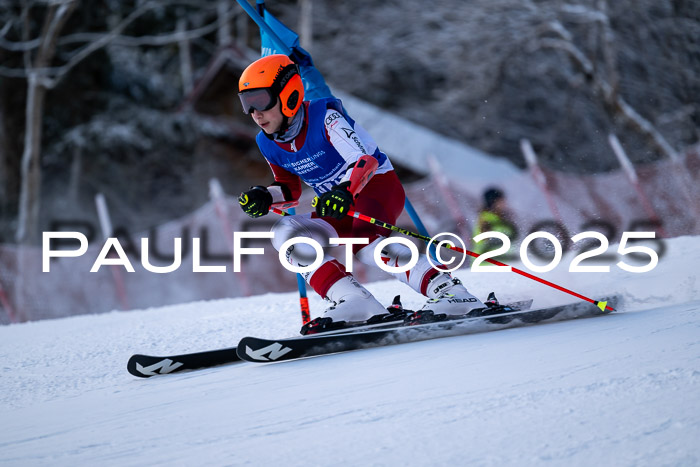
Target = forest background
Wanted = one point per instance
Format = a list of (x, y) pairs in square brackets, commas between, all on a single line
[(92, 92)]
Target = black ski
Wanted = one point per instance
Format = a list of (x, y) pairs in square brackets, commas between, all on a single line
[(253, 349), (145, 366)]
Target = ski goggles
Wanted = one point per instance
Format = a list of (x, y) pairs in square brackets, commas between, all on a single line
[(257, 99)]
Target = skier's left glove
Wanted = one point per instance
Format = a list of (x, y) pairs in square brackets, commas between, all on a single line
[(256, 202), (335, 203)]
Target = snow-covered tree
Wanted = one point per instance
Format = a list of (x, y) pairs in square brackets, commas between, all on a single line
[(44, 43)]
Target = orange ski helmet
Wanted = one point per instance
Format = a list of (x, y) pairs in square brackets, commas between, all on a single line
[(269, 78)]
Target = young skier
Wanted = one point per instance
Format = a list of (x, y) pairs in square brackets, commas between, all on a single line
[(317, 142)]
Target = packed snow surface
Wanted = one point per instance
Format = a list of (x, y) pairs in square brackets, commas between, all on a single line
[(621, 389)]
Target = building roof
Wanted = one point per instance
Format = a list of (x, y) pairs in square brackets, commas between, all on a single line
[(413, 145)]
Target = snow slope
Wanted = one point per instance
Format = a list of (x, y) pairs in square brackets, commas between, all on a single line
[(622, 389)]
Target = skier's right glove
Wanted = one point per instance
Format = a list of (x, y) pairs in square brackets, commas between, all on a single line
[(335, 203), (256, 202)]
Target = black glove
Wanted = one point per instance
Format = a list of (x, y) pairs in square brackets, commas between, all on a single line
[(256, 202), (335, 203)]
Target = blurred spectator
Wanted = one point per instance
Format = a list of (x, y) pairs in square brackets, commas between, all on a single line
[(494, 217)]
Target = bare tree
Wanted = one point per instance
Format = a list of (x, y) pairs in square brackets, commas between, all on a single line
[(306, 12), (38, 57), (37, 85), (4, 160), (43, 69)]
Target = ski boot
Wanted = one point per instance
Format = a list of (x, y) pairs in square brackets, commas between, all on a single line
[(447, 295), (351, 305)]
